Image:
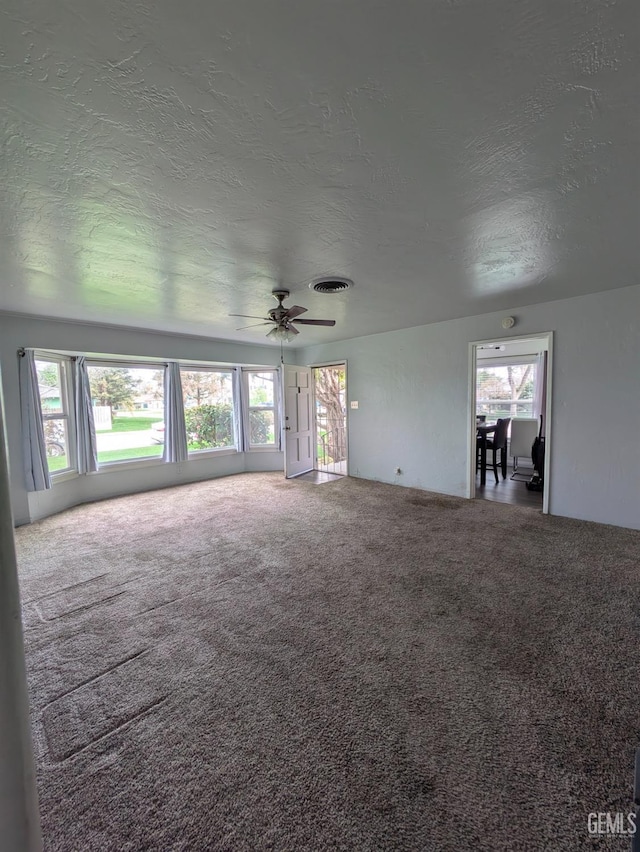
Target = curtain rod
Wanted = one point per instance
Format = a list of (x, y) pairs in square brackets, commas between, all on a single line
[(151, 364), (22, 352)]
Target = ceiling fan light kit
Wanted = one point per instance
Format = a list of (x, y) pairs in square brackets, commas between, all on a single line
[(285, 335), (283, 319)]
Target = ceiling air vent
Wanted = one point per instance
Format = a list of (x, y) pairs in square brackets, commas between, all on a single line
[(331, 285)]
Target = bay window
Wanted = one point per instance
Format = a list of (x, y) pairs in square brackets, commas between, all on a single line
[(225, 409)]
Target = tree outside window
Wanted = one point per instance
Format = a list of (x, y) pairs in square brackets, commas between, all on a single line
[(128, 411), (505, 390), (208, 409), (331, 421), (263, 421)]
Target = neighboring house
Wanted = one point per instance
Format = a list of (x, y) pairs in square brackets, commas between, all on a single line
[(146, 402), (49, 398)]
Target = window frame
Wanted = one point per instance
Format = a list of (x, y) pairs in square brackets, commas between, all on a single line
[(240, 376), (507, 361), (117, 364), (247, 409), (67, 415), (213, 451)]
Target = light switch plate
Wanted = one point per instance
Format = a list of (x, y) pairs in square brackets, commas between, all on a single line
[(354, 403)]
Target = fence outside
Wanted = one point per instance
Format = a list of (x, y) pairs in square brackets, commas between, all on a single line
[(102, 417)]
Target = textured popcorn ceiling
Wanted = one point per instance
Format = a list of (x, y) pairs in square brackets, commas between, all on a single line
[(165, 164)]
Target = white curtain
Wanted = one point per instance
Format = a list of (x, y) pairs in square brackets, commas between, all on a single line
[(241, 412), (86, 446), (175, 430), (34, 448), (540, 388)]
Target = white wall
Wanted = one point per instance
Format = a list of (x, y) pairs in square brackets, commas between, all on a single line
[(16, 332), (412, 388)]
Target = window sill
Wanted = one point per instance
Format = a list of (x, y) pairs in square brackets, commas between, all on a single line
[(112, 467), (63, 476), (270, 449), (211, 453)]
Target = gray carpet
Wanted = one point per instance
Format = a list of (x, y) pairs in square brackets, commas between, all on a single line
[(252, 663)]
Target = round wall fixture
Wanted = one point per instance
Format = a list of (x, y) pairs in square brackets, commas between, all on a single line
[(330, 284), (508, 322)]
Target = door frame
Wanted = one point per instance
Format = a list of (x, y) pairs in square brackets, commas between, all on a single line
[(471, 431), (340, 362)]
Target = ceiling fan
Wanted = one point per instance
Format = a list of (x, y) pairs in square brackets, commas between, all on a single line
[(283, 319)]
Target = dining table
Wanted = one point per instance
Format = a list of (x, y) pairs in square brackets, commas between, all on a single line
[(482, 430)]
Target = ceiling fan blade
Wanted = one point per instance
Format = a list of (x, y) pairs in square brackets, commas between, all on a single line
[(315, 322), (247, 316), (295, 311), (253, 325)]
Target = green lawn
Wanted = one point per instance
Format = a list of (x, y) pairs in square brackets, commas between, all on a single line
[(130, 424), (154, 451), (107, 456)]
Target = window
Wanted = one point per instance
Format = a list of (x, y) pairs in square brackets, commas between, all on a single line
[(54, 376), (208, 409), (505, 390), (128, 411), (262, 406), (127, 401)]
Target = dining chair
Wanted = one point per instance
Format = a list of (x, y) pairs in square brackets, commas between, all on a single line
[(498, 441)]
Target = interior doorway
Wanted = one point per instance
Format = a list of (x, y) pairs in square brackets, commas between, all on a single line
[(510, 409), (330, 399)]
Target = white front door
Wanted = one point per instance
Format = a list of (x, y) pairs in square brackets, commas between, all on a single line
[(298, 420)]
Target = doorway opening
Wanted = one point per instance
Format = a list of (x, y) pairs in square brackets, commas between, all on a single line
[(510, 419), (330, 395)]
